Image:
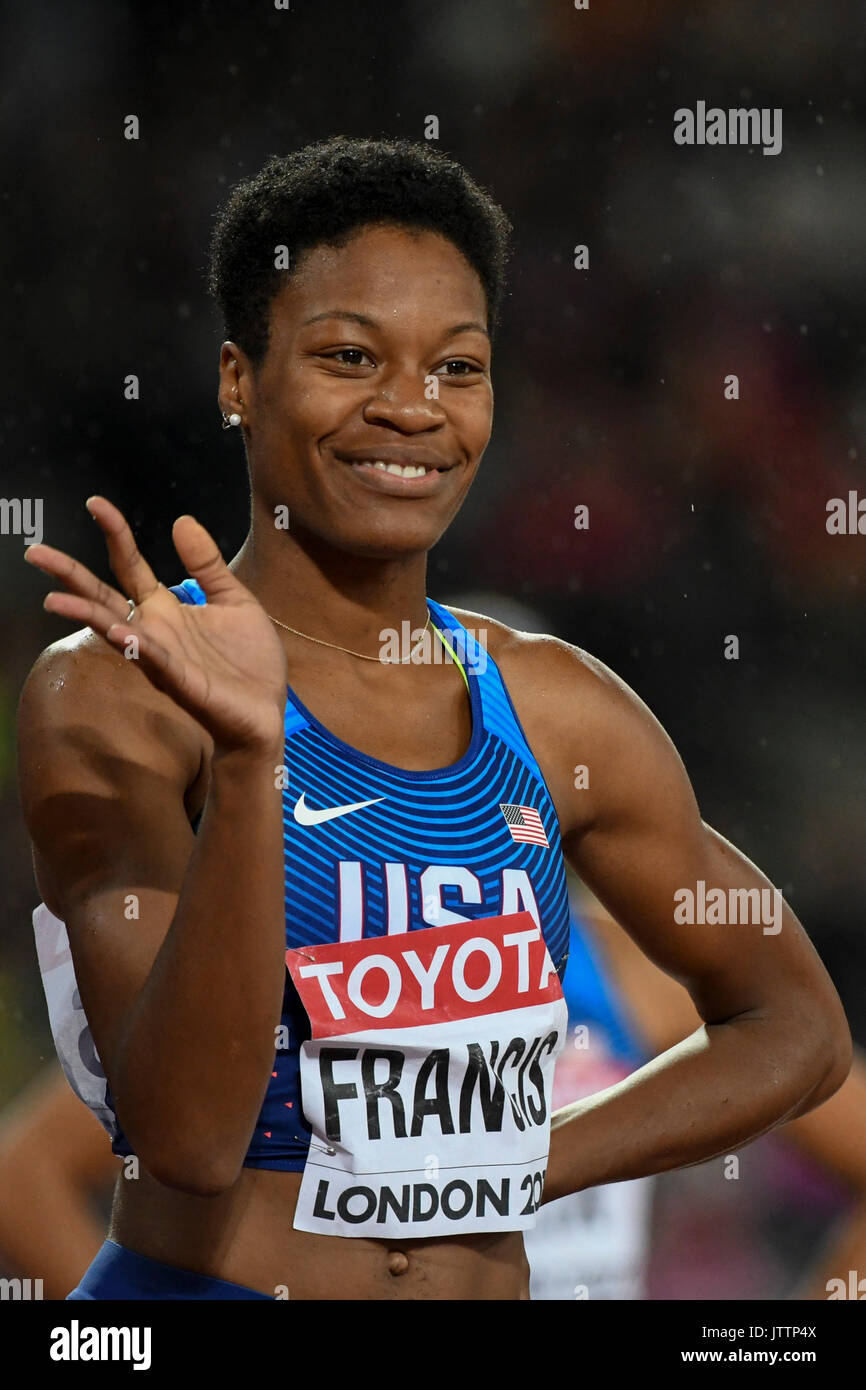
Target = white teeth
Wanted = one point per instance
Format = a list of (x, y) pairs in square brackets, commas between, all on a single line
[(401, 471)]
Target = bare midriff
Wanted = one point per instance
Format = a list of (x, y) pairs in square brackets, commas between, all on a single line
[(246, 1236)]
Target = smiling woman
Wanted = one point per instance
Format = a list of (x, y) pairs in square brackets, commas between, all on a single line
[(313, 894), (334, 378)]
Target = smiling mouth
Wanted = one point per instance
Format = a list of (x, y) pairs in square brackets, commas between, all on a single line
[(399, 467), (399, 470)]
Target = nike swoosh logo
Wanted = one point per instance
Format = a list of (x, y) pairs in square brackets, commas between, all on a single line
[(305, 815)]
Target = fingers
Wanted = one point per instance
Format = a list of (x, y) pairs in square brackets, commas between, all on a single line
[(128, 565), (81, 610), (99, 602), (131, 570), (159, 664), (202, 560), (77, 578)]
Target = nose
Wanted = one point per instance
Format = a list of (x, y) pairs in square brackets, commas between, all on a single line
[(405, 402)]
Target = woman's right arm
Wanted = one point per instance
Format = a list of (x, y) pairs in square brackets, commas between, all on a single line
[(178, 940)]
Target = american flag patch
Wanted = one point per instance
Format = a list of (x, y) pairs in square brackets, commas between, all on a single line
[(525, 826)]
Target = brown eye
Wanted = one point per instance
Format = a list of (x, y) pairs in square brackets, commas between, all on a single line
[(461, 362), (343, 353)]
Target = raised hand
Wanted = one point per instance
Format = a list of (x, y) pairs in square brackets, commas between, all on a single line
[(222, 662)]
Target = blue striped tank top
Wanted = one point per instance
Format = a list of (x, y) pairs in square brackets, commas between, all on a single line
[(474, 840)]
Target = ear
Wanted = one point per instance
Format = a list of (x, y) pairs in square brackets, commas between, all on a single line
[(236, 386)]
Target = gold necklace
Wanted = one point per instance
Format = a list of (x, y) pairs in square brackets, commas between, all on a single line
[(321, 643)]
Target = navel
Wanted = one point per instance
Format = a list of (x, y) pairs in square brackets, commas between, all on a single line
[(398, 1262)]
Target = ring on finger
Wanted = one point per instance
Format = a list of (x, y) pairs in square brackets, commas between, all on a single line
[(131, 614)]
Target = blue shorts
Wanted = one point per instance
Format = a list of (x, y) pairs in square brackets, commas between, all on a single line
[(120, 1273)]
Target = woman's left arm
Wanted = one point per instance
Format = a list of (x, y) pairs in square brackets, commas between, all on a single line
[(775, 1041)]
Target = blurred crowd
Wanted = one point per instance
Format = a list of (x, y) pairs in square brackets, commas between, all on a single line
[(707, 515)]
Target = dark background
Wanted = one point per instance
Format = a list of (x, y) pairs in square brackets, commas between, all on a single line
[(707, 516)]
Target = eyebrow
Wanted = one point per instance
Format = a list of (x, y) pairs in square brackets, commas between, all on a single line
[(471, 325)]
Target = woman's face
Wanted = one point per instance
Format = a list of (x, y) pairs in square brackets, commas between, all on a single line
[(378, 350)]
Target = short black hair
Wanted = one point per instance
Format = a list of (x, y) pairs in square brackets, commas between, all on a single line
[(323, 194)]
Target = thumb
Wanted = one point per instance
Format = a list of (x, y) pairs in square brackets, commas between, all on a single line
[(201, 558)]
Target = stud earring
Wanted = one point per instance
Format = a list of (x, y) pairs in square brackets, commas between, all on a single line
[(232, 420)]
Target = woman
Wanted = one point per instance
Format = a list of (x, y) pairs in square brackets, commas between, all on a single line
[(240, 824)]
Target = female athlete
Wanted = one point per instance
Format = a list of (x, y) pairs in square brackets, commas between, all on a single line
[(314, 891)]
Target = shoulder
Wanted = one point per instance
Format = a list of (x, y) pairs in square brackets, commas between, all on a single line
[(81, 679), (78, 666), (84, 697), (546, 673), (578, 714), (71, 685)]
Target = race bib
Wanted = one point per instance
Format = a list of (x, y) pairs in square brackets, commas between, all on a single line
[(427, 1079)]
